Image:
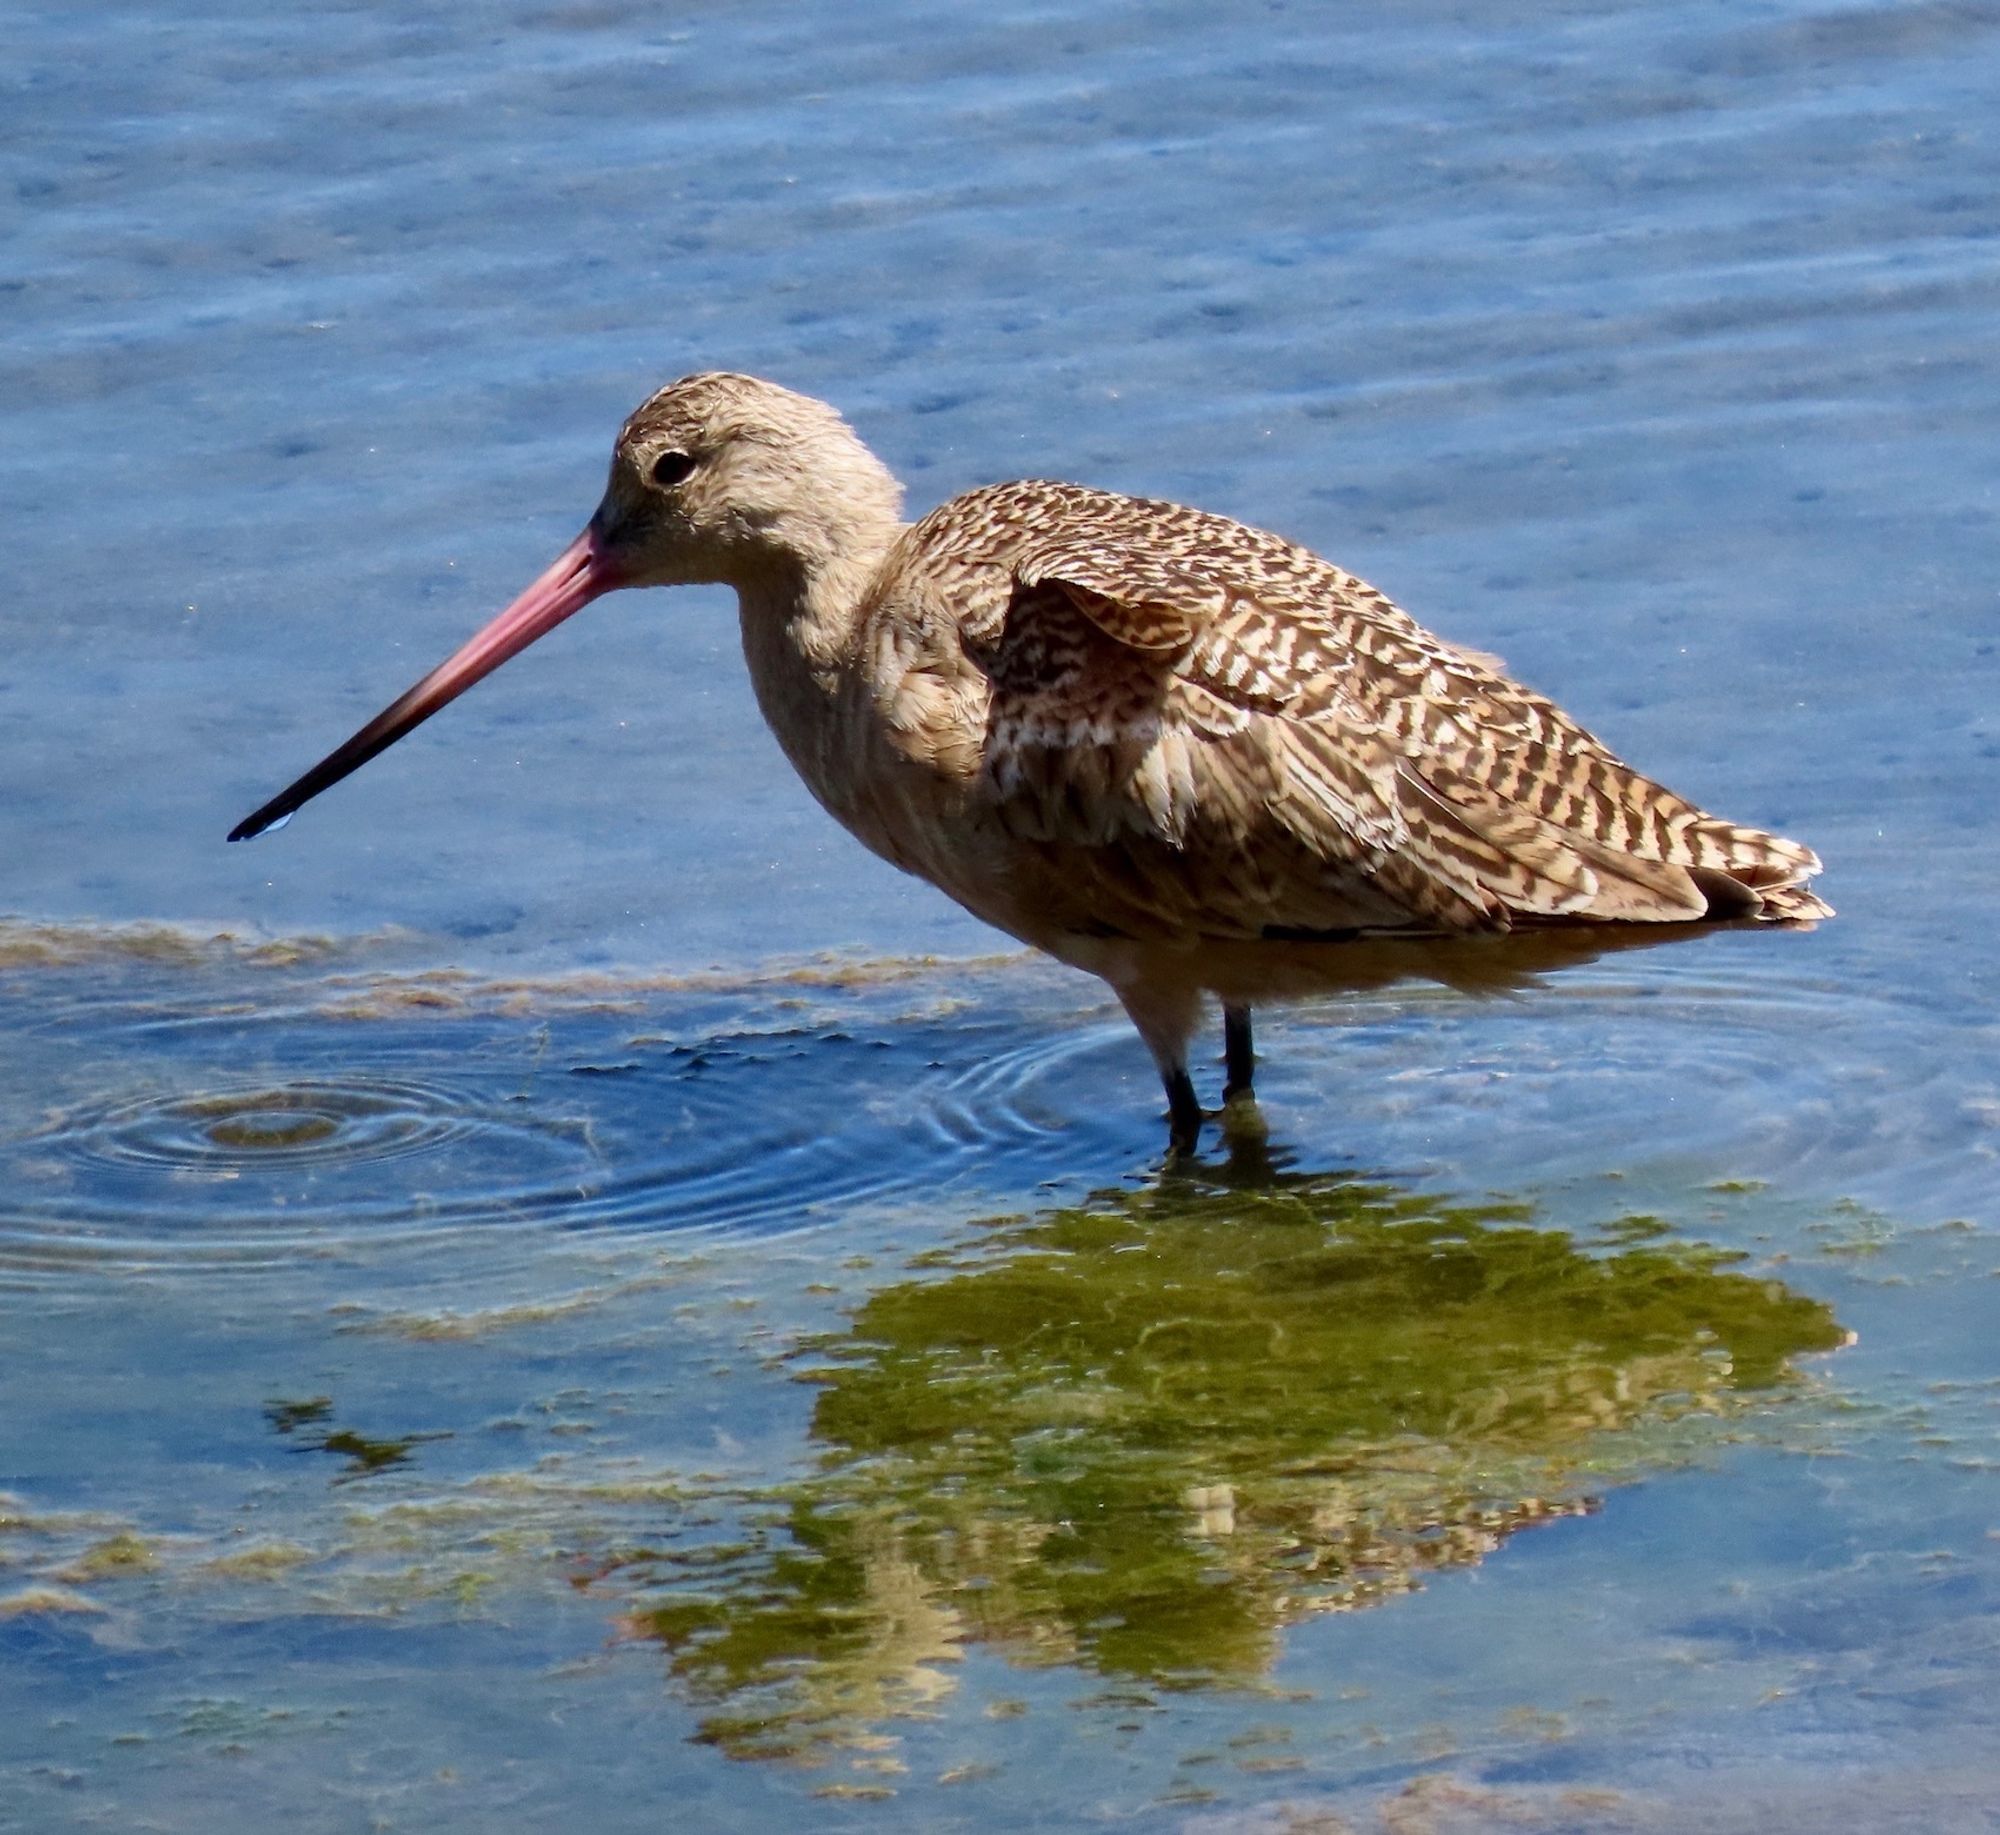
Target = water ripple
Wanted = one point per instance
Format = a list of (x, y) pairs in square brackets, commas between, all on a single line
[(228, 1132), (235, 1134), (254, 1127)]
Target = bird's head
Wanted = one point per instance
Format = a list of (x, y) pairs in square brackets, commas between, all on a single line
[(727, 478), (717, 478)]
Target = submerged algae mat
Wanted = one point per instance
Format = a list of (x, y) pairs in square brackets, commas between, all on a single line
[(1136, 1439), (1143, 1435), (394, 1354)]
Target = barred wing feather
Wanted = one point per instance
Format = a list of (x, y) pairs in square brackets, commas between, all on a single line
[(1165, 679)]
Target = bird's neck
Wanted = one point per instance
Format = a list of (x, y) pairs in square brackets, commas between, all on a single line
[(808, 607), (802, 631)]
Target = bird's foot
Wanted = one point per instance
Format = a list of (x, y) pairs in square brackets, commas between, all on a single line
[(1242, 1121)]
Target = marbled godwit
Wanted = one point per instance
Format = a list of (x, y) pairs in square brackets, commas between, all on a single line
[(1177, 752)]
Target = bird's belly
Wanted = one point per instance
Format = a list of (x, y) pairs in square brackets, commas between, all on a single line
[(1079, 902), (1147, 914), (918, 799)]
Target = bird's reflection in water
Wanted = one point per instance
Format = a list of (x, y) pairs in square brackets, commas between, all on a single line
[(1144, 1435)]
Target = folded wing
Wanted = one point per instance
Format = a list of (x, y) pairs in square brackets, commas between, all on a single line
[(1203, 712)]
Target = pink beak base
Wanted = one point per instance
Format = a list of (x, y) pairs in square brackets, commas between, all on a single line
[(581, 573)]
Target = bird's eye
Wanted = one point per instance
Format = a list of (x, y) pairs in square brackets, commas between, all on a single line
[(670, 468)]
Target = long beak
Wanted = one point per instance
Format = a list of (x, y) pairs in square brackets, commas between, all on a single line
[(582, 572)]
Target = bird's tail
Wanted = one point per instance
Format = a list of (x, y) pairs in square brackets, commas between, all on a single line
[(1764, 876)]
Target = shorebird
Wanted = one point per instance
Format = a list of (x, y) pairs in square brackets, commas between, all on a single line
[(1177, 752)]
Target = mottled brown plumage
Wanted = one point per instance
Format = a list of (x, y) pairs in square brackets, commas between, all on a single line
[(1178, 752), (1267, 741)]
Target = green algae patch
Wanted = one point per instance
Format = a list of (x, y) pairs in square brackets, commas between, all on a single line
[(457, 991), (124, 1553), (259, 1561), (287, 1416), (447, 1325), (228, 1725), (263, 1120), (1144, 1435), (306, 1423), (47, 1601)]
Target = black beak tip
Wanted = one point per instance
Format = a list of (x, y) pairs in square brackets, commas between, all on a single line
[(260, 824)]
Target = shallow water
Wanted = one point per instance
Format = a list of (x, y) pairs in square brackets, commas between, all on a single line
[(558, 1289)]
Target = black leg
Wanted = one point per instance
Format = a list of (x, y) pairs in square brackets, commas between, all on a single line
[(1239, 1056), (1183, 1111)]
